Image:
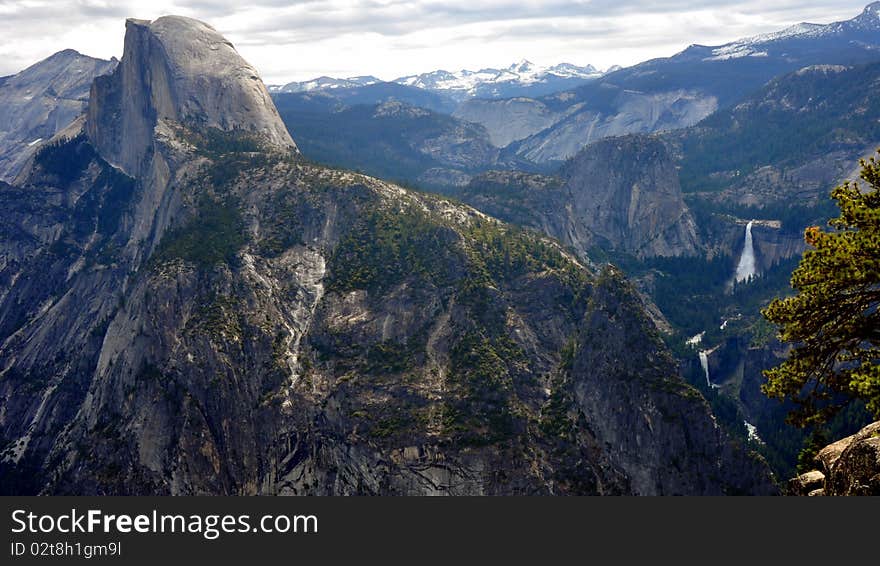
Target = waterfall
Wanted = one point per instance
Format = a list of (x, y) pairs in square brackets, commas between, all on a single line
[(753, 433), (704, 363), (746, 266)]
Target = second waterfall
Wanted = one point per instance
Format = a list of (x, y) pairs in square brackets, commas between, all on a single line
[(746, 266)]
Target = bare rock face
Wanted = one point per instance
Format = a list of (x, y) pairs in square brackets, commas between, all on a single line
[(630, 113), (626, 192), (828, 456), (858, 470), (807, 483), (620, 194), (42, 100), (853, 463), (177, 69), (508, 120), (849, 466), (228, 318)]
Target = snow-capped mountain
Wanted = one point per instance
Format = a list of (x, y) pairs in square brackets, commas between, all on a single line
[(868, 22), (325, 83), (519, 79), (524, 72), (671, 92)]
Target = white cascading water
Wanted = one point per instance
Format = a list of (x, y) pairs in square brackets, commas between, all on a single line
[(753, 433), (704, 363), (746, 266)]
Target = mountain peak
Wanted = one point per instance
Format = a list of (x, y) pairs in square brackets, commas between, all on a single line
[(178, 69), (523, 66), (42, 100), (870, 15)]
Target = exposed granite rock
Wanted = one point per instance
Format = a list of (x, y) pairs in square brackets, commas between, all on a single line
[(41, 100), (556, 127), (807, 484), (626, 192), (629, 112), (182, 70), (850, 466), (231, 319), (829, 455), (645, 416), (508, 120), (857, 471), (620, 194)]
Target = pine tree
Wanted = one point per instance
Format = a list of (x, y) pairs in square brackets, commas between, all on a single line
[(833, 320)]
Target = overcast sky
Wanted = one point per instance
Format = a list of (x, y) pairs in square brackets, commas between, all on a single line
[(389, 38)]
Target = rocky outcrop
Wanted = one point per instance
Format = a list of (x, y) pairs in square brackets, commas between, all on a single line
[(850, 466), (810, 483), (236, 320), (181, 70), (625, 191), (628, 112), (620, 194), (40, 101), (556, 127), (670, 419), (508, 120)]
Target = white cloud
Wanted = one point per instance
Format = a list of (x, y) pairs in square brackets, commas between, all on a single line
[(389, 38)]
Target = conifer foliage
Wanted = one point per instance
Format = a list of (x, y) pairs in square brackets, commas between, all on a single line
[(833, 320)]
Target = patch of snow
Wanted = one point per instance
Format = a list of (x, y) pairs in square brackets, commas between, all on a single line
[(802, 29), (751, 46), (523, 73), (734, 52)]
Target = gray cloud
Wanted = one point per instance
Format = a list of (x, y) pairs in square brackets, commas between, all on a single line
[(295, 40)]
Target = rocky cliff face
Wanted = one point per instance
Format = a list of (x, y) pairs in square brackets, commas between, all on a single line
[(40, 101), (772, 242), (619, 194), (180, 70), (555, 128), (627, 113), (850, 466), (508, 120), (626, 192), (228, 318)]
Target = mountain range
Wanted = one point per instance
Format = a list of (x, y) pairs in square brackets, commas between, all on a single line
[(771, 161), (673, 92), (190, 306), (519, 79), (173, 261), (538, 133)]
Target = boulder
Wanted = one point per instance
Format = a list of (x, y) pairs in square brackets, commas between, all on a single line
[(828, 456), (857, 471), (806, 484)]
